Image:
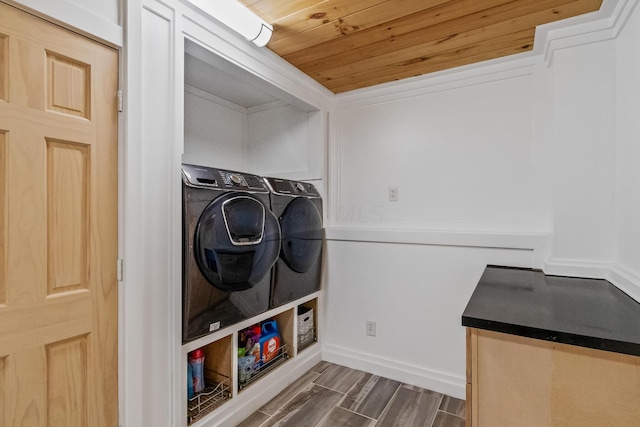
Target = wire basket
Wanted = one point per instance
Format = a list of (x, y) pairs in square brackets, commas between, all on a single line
[(306, 339), (217, 391), (260, 369)]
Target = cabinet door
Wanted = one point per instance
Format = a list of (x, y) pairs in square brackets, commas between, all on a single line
[(58, 226), (518, 381)]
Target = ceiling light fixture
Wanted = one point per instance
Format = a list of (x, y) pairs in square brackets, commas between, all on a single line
[(239, 18)]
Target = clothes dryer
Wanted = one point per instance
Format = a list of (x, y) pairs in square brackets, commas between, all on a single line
[(297, 271), (231, 241)]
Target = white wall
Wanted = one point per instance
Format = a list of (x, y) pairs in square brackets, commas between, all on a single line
[(416, 294), (108, 9), (276, 139), (279, 140), (461, 159), (464, 152), (583, 152), (214, 132), (628, 148)]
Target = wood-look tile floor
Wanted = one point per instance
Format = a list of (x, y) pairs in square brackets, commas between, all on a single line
[(331, 395)]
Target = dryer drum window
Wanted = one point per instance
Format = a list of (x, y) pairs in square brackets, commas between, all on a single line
[(301, 226), (236, 242)]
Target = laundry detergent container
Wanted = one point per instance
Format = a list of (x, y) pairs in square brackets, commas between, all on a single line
[(270, 341)]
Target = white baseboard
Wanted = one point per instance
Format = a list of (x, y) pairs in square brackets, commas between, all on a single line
[(576, 268), (625, 280), (621, 277), (410, 374)]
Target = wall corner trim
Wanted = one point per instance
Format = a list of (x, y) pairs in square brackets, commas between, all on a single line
[(594, 27)]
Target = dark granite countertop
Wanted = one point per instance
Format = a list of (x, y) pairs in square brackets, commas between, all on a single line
[(585, 312)]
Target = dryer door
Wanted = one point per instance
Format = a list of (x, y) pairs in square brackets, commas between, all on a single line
[(301, 225), (236, 242)]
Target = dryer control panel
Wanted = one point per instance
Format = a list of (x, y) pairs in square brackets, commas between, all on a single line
[(293, 188)]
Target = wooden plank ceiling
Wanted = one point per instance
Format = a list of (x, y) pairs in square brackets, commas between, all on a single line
[(351, 44)]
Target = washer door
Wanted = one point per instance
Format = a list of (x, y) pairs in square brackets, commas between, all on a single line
[(236, 242), (301, 226)]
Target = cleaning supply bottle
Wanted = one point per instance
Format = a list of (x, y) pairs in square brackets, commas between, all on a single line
[(189, 381), (254, 351), (196, 360)]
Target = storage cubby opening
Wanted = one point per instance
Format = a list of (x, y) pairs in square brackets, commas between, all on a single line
[(263, 347), (217, 375)]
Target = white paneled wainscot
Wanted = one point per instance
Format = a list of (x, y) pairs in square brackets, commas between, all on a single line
[(583, 152), (415, 294)]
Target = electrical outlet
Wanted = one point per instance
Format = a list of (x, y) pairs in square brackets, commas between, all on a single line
[(393, 193), (371, 328)]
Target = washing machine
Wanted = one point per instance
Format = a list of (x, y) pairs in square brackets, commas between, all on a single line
[(231, 241), (297, 271)]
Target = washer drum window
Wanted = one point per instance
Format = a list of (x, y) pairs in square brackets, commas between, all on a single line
[(236, 242)]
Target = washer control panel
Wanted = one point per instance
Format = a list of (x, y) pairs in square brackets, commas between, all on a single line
[(206, 177)]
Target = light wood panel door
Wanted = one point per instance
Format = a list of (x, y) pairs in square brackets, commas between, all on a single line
[(58, 226)]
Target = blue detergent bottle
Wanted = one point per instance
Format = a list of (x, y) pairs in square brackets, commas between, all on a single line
[(269, 341)]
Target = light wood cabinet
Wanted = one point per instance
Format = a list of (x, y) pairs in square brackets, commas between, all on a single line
[(516, 381)]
